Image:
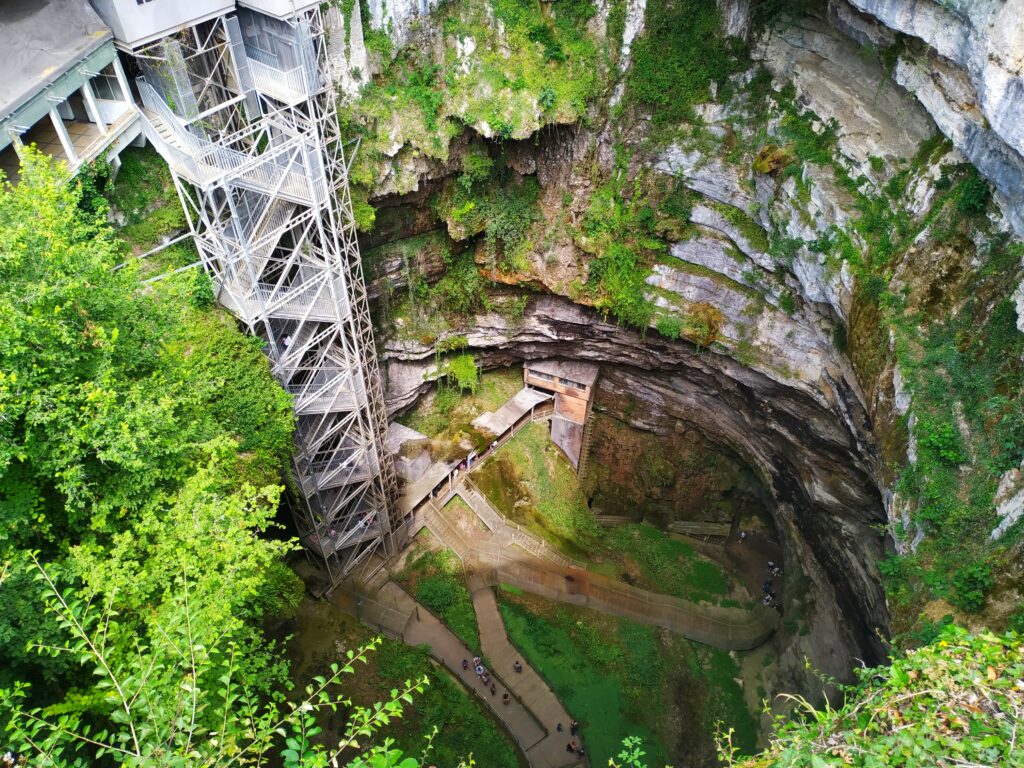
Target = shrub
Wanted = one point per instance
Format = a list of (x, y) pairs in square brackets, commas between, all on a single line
[(706, 320), (476, 166), (547, 97), (203, 296), (678, 58), (970, 585), (446, 399), (1017, 621), (669, 326), (954, 702), (771, 158), (463, 369), (787, 303), (972, 194), (943, 440), (461, 290)]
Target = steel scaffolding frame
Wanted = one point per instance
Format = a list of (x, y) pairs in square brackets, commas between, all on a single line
[(258, 161)]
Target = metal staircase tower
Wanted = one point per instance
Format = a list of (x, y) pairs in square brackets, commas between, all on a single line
[(241, 110)]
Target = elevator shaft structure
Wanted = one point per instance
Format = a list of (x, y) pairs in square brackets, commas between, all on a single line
[(241, 109)]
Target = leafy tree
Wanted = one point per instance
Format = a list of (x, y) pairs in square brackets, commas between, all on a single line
[(179, 696), (954, 702), (142, 437)]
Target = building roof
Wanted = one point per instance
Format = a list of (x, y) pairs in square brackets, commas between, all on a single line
[(399, 435), (39, 41), (581, 373), (514, 409)]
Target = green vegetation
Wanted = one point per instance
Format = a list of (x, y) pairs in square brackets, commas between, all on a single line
[(143, 447), (464, 729), (455, 413), (463, 726), (679, 58), (435, 578), (669, 326), (955, 341), (619, 230), (144, 195), (609, 672), (956, 702), (532, 484), (501, 205), (463, 369), (505, 80)]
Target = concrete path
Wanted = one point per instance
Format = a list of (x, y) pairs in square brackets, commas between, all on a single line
[(528, 685), (532, 711)]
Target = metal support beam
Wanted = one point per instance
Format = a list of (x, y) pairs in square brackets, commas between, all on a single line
[(268, 202), (90, 103), (62, 134)]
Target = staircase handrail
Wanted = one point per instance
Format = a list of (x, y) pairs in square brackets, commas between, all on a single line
[(223, 159)]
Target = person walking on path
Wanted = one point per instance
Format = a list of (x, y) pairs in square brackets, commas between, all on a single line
[(573, 727), (465, 665), (505, 698), (558, 727), (517, 666), (570, 747), (494, 689)]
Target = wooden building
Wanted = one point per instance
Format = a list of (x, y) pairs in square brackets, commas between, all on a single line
[(572, 384)]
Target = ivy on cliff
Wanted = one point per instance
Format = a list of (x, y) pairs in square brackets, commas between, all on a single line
[(957, 345), (538, 66), (680, 59)]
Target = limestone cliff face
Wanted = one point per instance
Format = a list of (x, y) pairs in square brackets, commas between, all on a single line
[(969, 75), (807, 375)]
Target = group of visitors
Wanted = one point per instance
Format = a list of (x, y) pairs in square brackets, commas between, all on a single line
[(769, 598), (572, 746), (517, 667), (485, 677)]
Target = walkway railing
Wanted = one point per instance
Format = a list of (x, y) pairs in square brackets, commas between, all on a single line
[(446, 489), (272, 170), (520, 536)]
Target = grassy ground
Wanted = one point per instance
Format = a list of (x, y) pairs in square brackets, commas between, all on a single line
[(619, 679), (435, 578), (320, 634), (441, 416), (530, 469)]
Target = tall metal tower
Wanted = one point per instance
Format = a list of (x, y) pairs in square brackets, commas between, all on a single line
[(241, 109)]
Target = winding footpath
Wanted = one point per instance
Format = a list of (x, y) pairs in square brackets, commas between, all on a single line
[(500, 552), (533, 712)]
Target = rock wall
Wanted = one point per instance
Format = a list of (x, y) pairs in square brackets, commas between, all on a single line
[(799, 378), (968, 73)]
